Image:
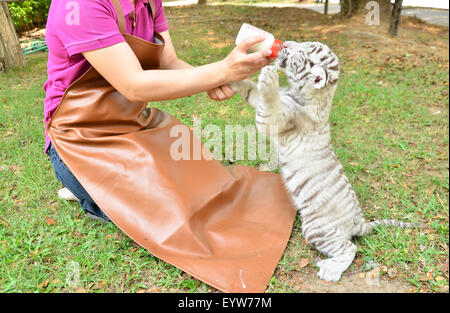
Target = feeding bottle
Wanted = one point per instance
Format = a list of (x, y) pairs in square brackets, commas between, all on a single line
[(272, 43)]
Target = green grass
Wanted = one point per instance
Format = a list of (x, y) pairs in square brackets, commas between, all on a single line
[(389, 129)]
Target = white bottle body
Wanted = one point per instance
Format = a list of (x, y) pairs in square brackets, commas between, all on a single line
[(248, 30)]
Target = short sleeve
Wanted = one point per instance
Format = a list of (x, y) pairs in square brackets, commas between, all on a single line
[(160, 21), (85, 25)]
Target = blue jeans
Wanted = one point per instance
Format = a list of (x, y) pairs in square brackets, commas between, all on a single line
[(69, 181)]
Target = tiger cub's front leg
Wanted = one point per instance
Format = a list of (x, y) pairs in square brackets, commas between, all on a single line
[(247, 90), (269, 108)]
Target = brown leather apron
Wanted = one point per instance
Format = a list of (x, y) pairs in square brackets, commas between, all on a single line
[(227, 226)]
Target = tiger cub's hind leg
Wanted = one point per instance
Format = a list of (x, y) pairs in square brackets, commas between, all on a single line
[(342, 254)]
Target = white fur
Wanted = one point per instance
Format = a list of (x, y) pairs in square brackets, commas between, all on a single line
[(330, 211)]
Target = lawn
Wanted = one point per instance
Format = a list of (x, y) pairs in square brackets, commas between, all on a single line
[(389, 130)]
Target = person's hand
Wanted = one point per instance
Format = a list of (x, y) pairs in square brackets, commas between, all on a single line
[(239, 65), (220, 93)]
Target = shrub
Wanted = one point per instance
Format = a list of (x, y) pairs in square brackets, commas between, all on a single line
[(29, 13)]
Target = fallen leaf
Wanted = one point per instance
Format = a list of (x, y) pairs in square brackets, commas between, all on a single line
[(373, 277), (428, 276), (50, 221), (80, 290), (392, 273), (155, 290), (375, 271), (444, 267), (439, 198), (358, 263), (303, 263), (5, 223), (282, 277), (439, 278), (376, 185)]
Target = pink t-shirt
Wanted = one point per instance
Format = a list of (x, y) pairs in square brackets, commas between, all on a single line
[(76, 26)]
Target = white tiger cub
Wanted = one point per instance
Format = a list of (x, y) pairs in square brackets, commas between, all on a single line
[(328, 206)]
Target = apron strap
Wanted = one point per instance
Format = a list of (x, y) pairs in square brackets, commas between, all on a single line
[(152, 9), (120, 17)]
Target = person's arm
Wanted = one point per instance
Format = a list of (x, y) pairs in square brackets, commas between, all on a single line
[(136, 84), (169, 59)]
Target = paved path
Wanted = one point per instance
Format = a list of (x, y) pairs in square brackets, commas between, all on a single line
[(179, 3), (432, 16)]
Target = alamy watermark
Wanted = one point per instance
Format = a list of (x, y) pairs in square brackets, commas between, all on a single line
[(73, 275), (373, 16), (235, 143), (73, 14)]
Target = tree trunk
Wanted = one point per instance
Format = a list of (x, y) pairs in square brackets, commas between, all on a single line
[(326, 7), (10, 52), (346, 8), (395, 18), (201, 2)]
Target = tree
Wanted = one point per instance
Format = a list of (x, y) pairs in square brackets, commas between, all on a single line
[(352, 7), (10, 51), (326, 7), (201, 2), (395, 18)]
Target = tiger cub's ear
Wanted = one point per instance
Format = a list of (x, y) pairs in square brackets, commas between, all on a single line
[(318, 76)]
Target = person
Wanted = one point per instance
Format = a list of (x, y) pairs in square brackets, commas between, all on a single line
[(85, 33)]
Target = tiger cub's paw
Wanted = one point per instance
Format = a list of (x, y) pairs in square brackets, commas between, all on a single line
[(330, 270), (268, 81), (239, 87)]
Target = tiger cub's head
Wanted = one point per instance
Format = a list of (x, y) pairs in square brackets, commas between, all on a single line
[(308, 64)]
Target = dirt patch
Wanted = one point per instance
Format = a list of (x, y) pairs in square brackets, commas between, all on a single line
[(350, 283)]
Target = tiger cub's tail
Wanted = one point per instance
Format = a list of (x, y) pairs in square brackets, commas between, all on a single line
[(368, 227)]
